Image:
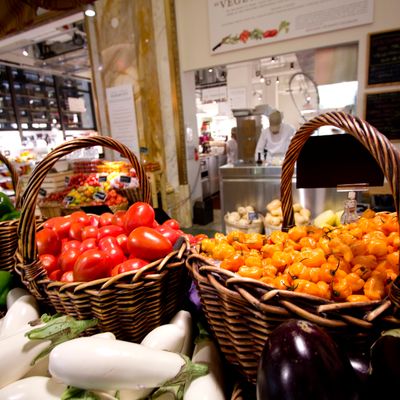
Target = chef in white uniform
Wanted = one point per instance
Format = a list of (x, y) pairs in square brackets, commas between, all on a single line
[(275, 139)]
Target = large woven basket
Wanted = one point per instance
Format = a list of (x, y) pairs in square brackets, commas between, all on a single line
[(8, 229), (242, 312), (130, 304)]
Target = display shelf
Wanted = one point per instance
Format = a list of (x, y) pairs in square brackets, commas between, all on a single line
[(29, 98)]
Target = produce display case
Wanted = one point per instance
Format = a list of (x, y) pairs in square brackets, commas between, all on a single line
[(242, 312)]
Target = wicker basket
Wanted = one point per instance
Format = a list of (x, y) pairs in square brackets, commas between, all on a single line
[(130, 304), (8, 229), (242, 312)]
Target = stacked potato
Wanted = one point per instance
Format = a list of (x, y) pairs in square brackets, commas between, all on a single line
[(274, 215)]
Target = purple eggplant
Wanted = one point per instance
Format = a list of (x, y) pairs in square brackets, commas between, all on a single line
[(385, 364), (301, 361)]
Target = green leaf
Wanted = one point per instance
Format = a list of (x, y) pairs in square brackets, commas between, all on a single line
[(284, 25), (73, 393), (58, 329)]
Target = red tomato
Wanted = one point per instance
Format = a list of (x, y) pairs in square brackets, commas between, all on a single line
[(67, 276), (55, 275), (108, 242), (89, 232), (67, 259), (116, 256), (198, 238), (106, 219), (139, 214), (155, 224), (47, 242), (70, 244), (94, 220), (80, 216), (60, 225), (123, 243), (49, 262), (91, 265), (75, 231), (172, 223), (118, 218), (110, 230), (133, 264), (88, 244), (149, 244), (171, 234)]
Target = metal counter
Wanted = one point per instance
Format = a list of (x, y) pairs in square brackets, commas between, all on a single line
[(243, 185)]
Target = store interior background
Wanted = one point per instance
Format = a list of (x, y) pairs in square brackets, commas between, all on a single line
[(217, 89)]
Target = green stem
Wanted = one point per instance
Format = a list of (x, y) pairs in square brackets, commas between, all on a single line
[(187, 374), (58, 329)]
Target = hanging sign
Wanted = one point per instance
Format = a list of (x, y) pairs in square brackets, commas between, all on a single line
[(237, 24)]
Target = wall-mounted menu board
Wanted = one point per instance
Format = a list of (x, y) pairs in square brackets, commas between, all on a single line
[(382, 110), (384, 58)]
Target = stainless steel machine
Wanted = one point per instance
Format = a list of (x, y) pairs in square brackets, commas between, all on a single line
[(244, 184)]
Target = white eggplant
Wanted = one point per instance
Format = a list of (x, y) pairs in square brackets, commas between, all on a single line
[(14, 294), (167, 337), (33, 388), (210, 386), (19, 352), (22, 311), (92, 363), (105, 335), (183, 319)]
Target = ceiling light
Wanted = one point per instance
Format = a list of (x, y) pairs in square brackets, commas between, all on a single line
[(262, 79), (90, 11), (277, 79), (273, 59), (25, 53), (210, 69), (292, 65)]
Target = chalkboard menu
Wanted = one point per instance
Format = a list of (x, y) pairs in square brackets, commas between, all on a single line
[(382, 110), (384, 58)]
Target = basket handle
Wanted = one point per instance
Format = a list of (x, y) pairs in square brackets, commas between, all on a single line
[(376, 143), (14, 179), (27, 225)]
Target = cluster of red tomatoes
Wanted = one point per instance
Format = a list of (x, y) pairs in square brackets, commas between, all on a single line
[(81, 247)]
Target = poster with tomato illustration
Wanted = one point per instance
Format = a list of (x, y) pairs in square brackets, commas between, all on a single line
[(237, 24)]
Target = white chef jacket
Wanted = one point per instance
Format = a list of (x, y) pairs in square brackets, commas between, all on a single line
[(276, 144), (231, 151)]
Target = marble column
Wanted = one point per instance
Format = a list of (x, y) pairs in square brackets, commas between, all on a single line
[(125, 41), (129, 43)]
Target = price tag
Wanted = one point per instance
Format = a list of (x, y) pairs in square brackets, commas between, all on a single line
[(68, 200), (103, 178), (125, 179), (100, 196), (42, 192), (252, 216)]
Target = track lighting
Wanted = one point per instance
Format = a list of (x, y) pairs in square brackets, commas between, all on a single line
[(25, 52)]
